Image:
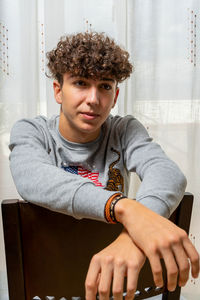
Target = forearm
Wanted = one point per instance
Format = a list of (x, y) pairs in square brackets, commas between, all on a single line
[(129, 213), (49, 186)]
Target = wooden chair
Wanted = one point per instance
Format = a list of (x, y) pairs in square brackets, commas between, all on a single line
[(48, 253)]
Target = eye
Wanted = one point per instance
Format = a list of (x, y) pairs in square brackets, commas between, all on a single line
[(106, 86)]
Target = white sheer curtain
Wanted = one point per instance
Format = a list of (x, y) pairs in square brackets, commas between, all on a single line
[(163, 39), (27, 30)]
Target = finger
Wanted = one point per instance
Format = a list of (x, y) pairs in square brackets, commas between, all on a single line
[(183, 264), (132, 279), (105, 280), (193, 256), (156, 269), (172, 269), (92, 279), (118, 279)]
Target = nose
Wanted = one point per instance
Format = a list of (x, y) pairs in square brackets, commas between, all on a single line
[(93, 96)]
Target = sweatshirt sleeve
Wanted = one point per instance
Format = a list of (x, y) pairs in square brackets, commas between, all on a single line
[(41, 182), (162, 182)]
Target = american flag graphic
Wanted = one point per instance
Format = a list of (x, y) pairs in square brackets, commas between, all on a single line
[(94, 176)]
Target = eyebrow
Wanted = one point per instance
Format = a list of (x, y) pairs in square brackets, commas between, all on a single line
[(73, 76), (101, 79), (107, 79)]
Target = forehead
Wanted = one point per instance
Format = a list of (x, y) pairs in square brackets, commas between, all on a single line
[(104, 78)]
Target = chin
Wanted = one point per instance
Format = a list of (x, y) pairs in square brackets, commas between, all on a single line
[(90, 130)]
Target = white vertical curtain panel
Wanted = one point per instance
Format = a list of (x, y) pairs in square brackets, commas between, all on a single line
[(163, 38)]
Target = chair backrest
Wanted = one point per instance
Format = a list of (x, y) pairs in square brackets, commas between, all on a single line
[(48, 253)]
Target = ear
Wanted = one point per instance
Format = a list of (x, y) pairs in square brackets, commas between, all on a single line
[(57, 91), (116, 96)]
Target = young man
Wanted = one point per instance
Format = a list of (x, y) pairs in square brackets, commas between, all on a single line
[(78, 163)]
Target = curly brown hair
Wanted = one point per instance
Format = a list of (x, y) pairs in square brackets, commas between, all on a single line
[(89, 55)]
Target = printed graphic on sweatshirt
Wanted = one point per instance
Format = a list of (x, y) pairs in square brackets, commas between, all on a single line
[(115, 178), (93, 176)]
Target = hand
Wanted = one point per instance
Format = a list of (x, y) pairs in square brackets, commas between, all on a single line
[(121, 258), (159, 238)]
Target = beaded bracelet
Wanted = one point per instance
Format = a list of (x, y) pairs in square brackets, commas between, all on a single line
[(110, 208)]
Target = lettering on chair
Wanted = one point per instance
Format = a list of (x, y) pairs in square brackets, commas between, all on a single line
[(138, 294)]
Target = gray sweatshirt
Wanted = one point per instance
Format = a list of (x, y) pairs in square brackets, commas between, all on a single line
[(78, 179)]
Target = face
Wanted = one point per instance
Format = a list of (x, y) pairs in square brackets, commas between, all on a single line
[(85, 105)]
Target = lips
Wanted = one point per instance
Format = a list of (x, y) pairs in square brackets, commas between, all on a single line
[(89, 115)]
